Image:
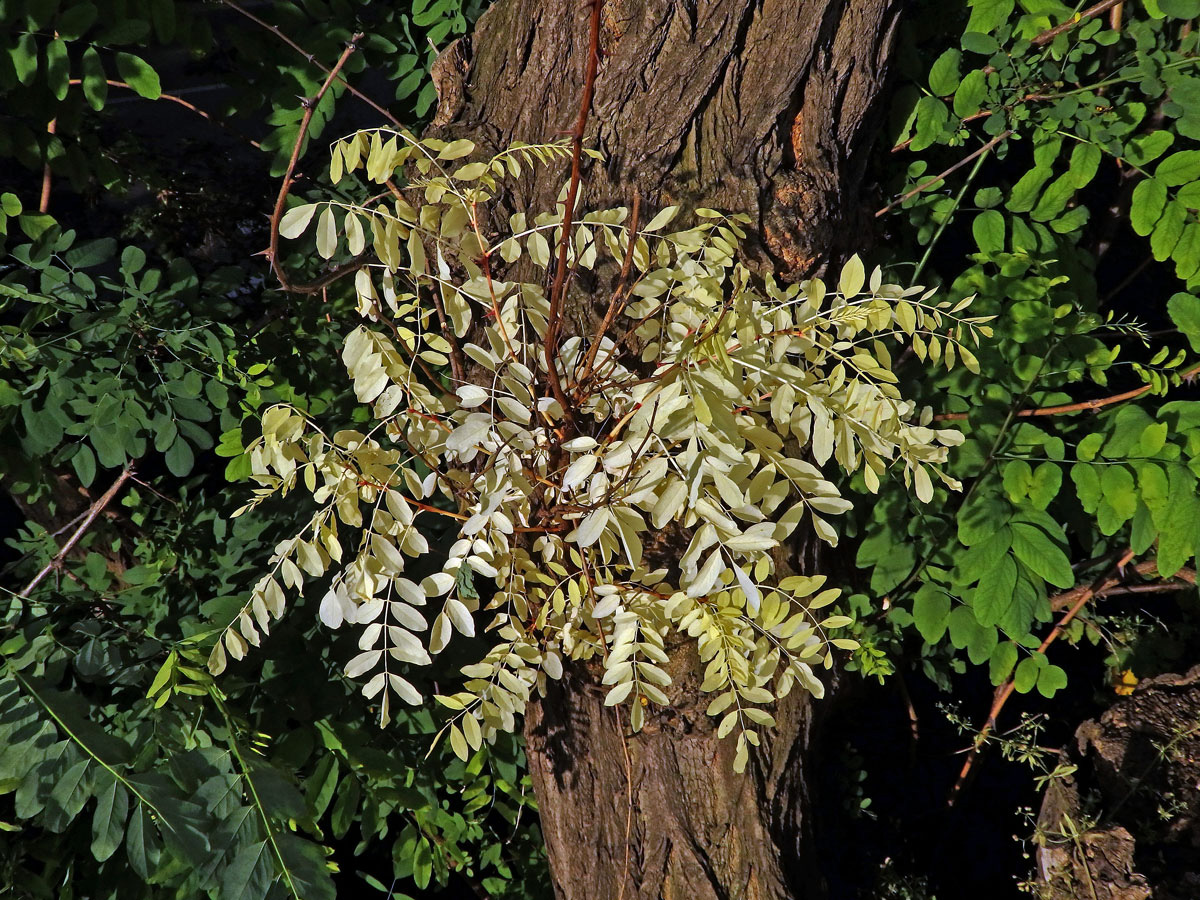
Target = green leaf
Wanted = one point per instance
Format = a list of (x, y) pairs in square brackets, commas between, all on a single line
[(1179, 168), (1045, 485), (75, 20), (306, 867), (1004, 657), (988, 15), (1145, 148), (1054, 199), (983, 44), (931, 612), (1035, 548), (138, 74), (1180, 9), (1149, 198), (932, 116), (70, 793), (1181, 529), (943, 76), (24, 58), (988, 230), (1168, 230), (966, 632), (971, 93), (179, 457), (984, 556), (1184, 310), (58, 68), (1085, 160), (250, 874), (108, 819), (143, 846), (1026, 191), (1187, 252), (84, 463), (981, 518), (994, 595), (1027, 673), (1051, 680)]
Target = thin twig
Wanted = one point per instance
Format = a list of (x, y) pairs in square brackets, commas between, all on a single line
[(554, 317), (1078, 19), (275, 30), (175, 99), (310, 105), (94, 510), (1081, 406), (1067, 598), (937, 178), (616, 304), (1004, 691)]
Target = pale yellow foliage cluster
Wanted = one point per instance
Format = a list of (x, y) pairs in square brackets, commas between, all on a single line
[(709, 411)]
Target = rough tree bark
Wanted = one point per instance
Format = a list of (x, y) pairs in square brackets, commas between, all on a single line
[(766, 107), (1126, 824)]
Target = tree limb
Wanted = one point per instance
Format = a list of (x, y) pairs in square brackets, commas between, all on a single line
[(310, 105), (90, 516), (1081, 406)]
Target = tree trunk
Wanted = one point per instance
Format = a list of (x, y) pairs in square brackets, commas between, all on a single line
[(767, 108)]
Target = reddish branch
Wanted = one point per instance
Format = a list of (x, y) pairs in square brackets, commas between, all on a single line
[(938, 178), (558, 288), (1051, 33), (310, 104), (44, 200), (333, 73), (1081, 406), (1004, 691), (90, 516), (616, 304)]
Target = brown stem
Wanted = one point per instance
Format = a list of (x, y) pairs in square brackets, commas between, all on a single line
[(1078, 19), (94, 510), (274, 29), (616, 304), (954, 168), (44, 200), (1067, 598), (1004, 691), (554, 319), (458, 361), (1074, 407), (310, 105), (174, 99)]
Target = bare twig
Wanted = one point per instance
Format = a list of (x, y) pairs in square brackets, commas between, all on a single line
[(94, 510), (554, 318), (310, 105), (1004, 691), (351, 89), (1078, 19), (937, 178), (616, 304), (1081, 406)]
